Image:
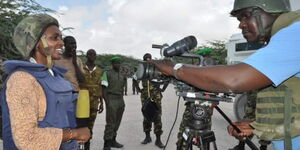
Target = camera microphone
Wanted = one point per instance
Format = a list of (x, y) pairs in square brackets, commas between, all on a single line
[(180, 46)]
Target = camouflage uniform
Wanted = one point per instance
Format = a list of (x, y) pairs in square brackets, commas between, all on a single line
[(251, 106), (115, 104), (156, 95), (93, 85)]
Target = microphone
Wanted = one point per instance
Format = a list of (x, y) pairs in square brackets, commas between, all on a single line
[(180, 46)]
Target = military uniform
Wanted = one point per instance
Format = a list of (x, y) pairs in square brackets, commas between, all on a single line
[(114, 103), (93, 85), (155, 95)]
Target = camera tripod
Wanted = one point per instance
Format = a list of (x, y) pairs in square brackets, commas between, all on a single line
[(199, 123), (197, 131)]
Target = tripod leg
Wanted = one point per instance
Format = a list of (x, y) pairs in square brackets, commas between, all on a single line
[(215, 145), (202, 146)]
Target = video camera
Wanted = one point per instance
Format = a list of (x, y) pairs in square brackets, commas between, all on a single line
[(178, 53), (198, 101)]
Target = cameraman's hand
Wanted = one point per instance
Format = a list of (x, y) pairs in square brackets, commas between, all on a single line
[(246, 130), (164, 66)]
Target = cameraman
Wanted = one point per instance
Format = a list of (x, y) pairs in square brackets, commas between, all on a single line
[(187, 115), (274, 69), (152, 91)]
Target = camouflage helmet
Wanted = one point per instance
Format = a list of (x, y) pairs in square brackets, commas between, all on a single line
[(29, 31), (270, 6)]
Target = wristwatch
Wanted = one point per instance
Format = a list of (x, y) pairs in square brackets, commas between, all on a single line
[(176, 68)]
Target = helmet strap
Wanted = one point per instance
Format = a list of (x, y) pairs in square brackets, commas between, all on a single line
[(49, 61), (262, 31), (46, 48)]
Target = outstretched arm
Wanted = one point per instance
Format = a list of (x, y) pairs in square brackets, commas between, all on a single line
[(234, 78)]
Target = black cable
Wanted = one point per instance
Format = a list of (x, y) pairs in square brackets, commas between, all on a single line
[(176, 115)]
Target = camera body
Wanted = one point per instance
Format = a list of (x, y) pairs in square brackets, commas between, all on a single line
[(197, 100)]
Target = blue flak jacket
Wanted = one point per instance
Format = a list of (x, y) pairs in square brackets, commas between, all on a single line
[(61, 102)]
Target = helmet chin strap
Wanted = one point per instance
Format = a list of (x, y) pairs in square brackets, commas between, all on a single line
[(46, 48), (262, 31)]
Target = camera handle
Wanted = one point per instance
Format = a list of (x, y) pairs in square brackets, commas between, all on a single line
[(248, 141)]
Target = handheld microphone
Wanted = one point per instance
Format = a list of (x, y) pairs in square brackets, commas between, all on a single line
[(180, 46)]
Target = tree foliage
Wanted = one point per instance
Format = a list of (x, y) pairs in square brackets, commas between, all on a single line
[(219, 52), (11, 13), (128, 63)]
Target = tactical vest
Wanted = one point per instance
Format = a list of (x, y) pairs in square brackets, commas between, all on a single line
[(278, 109), (271, 107), (61, 101)]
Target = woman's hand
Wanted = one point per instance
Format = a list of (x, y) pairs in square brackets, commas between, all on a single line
[(82, 134), (245, 127)]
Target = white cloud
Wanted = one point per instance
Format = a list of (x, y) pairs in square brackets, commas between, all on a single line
[(63, 8), (130, 27)]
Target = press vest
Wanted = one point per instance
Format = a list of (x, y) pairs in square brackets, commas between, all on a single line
[(278, 109), (61, 101)]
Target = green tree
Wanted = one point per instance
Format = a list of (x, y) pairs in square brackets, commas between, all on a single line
[(104, 62), (219, 52)]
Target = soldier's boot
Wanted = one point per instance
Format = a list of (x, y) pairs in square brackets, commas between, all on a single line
[(116, 144), (240, 146), (107, 145), (147, 138), (158, 142), (263, 147), (87, 145)]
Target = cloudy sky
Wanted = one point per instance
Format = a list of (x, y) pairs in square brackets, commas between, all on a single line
[(130, 27)]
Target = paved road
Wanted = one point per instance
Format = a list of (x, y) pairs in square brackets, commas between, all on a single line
[(131, 132)]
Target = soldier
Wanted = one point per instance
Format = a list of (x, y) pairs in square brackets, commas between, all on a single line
[(114, 102), (151, 90), (274, 69), (187, 114), (93, 75), (72, 63)]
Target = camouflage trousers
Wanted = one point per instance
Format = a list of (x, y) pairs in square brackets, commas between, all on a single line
[(157, 122), (187, 116), (94, 103), (114, 112)]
